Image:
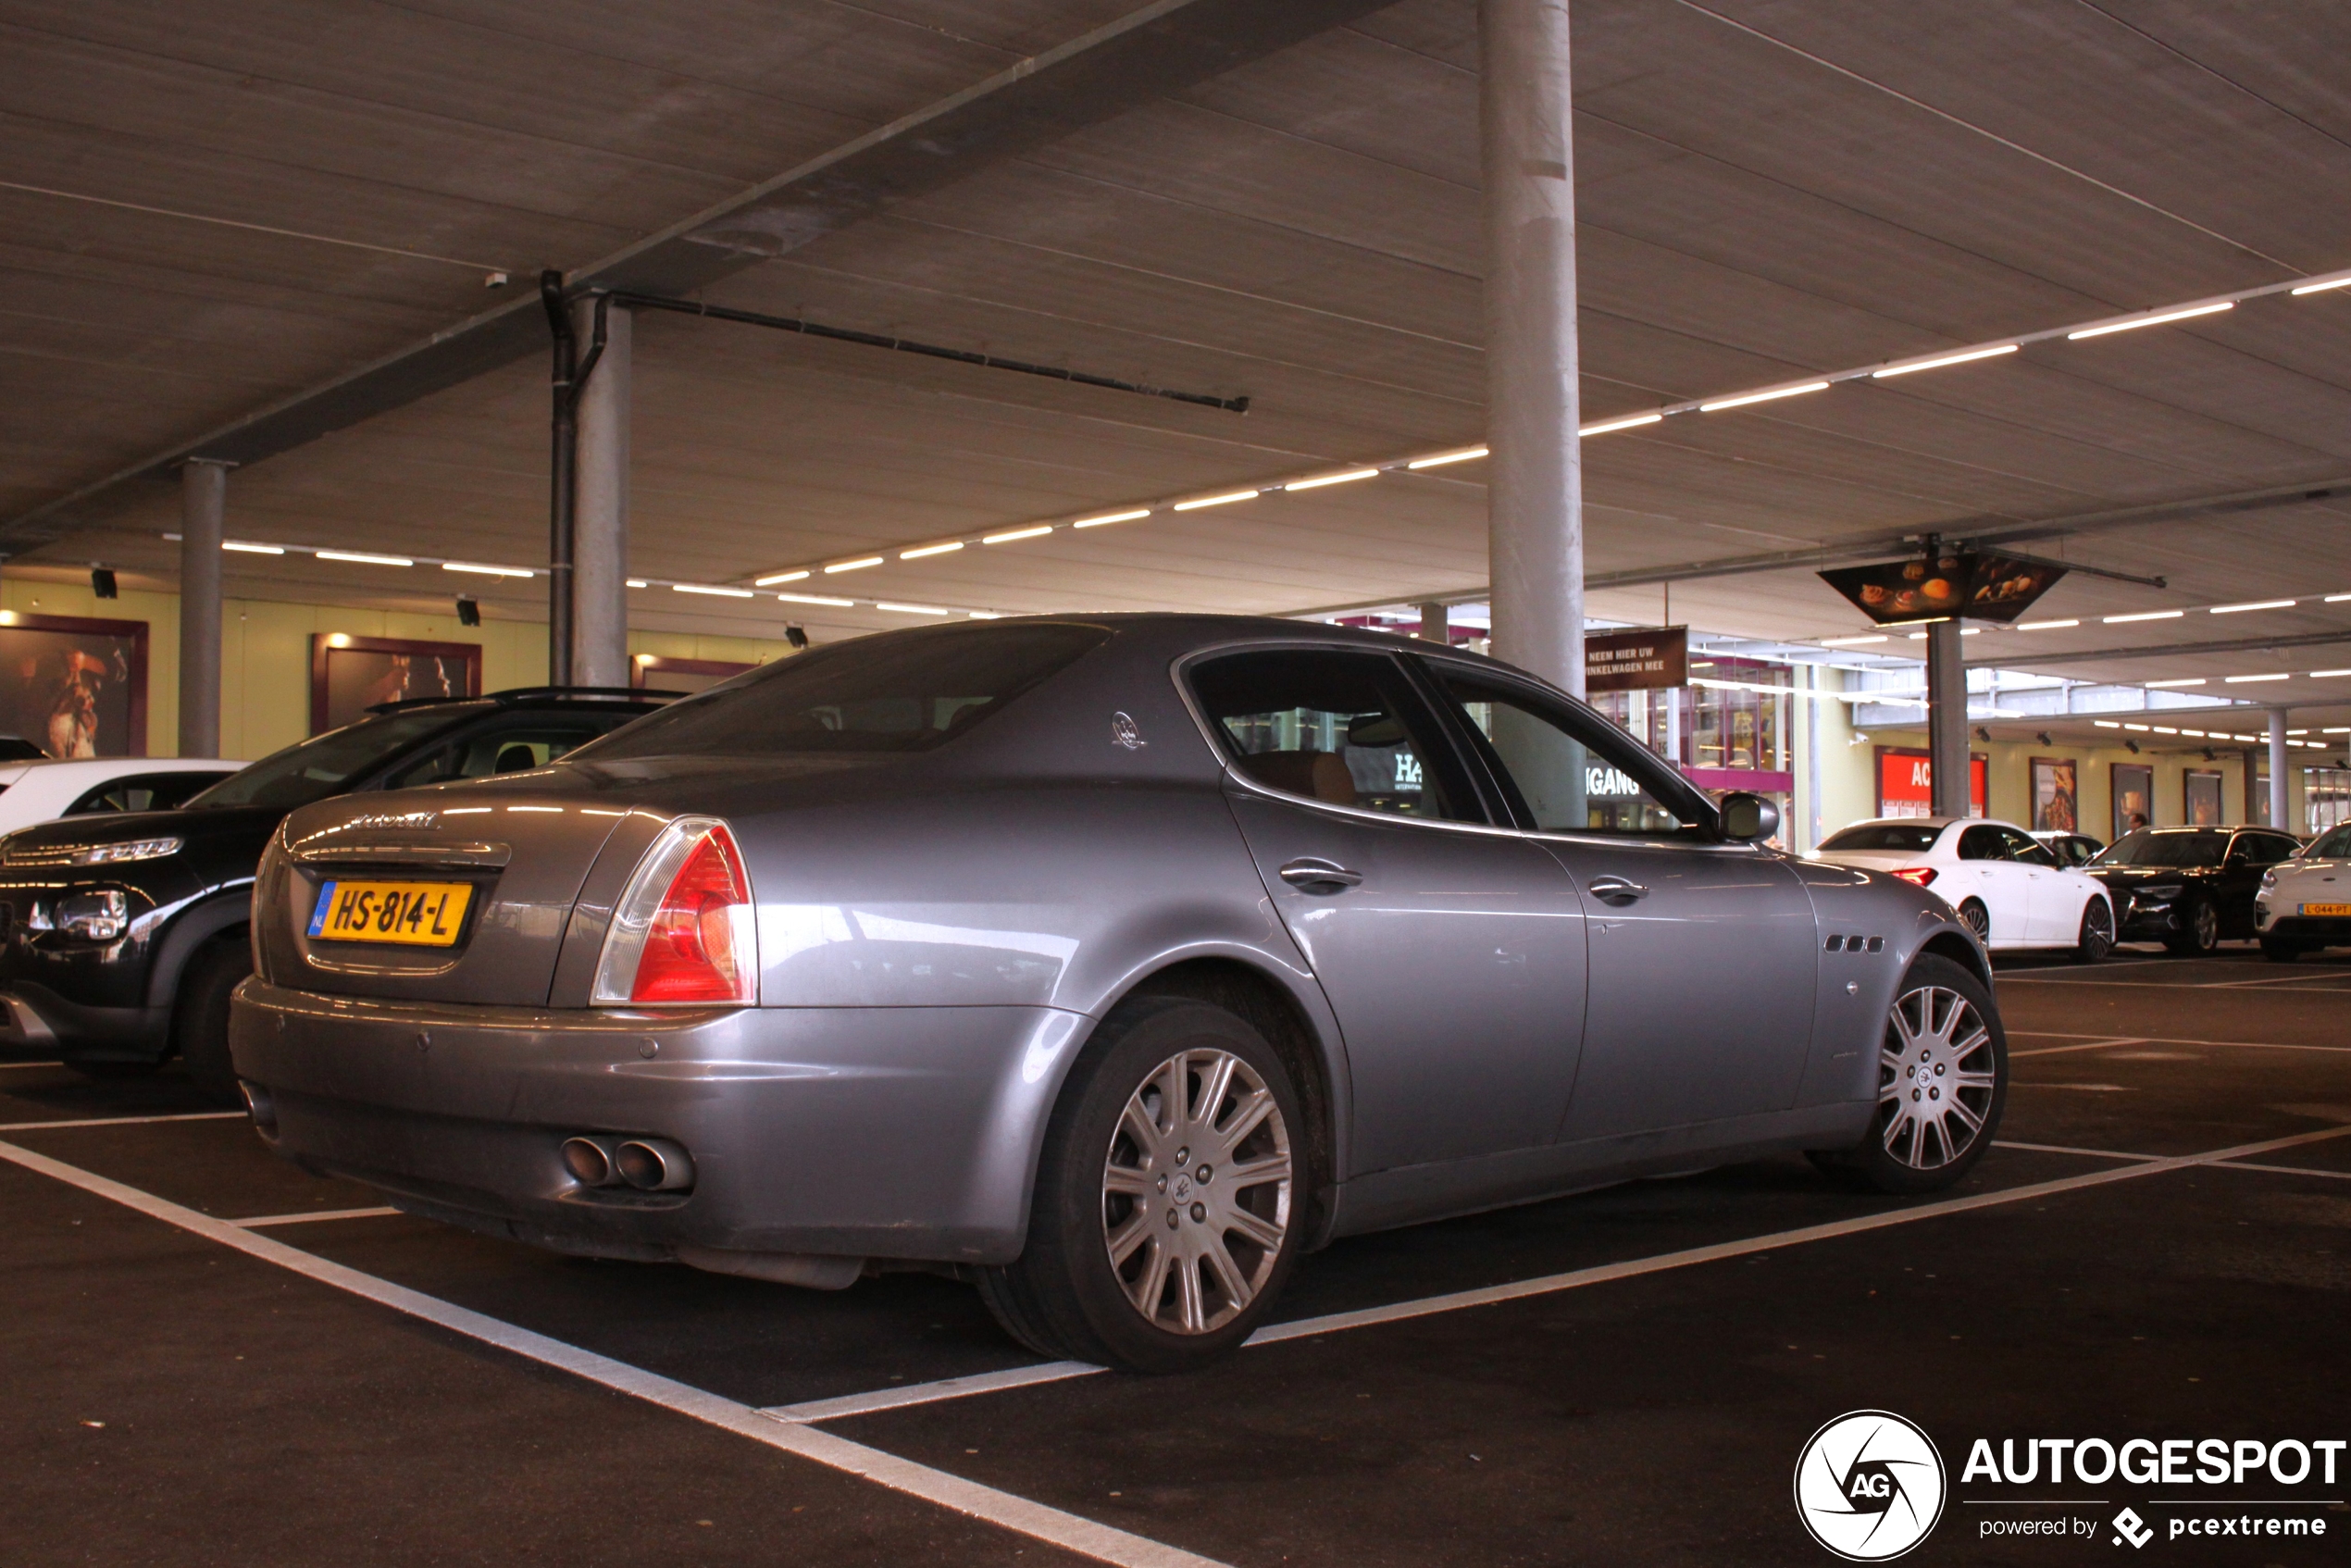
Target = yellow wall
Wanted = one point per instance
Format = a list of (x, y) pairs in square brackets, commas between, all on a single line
[(265, 655)]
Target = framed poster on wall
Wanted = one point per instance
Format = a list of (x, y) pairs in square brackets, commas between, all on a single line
[(2200, 804), (349, 674), (2055, 803), (75, 687), (2133, 796), (1906, 782), (659, 672)]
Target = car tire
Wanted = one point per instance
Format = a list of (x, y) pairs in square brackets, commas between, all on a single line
[(1142, 1252), (2279, 950), (2096, 937), (1978, 918), (200, 1015), (2199, 930), (1943, 1061)]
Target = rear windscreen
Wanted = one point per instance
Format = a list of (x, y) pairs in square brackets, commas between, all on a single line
[(905, 691), (1884, 836)]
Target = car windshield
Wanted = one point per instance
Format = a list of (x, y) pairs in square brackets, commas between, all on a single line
[(903, 692), (313, 769), (2335, 846), (1907, 836), (2183, 851)]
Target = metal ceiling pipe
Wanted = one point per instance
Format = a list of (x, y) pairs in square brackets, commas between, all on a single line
[(204, 500), (570, 374), (2278, 765), (1535, 477), (600, 488), (1950, 776)]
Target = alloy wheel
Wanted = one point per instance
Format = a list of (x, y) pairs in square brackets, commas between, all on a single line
[(2206, 921), (1196, 1191), (1978, 918), (2098, 929), (1936, 1078)]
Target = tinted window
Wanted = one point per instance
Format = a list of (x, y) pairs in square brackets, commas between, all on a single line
[(1345, 729), (2171, 848), (2265, 849), (906, 691), (1905, 837), (322, 766), (511, 745), (147, 791), (2022, 848), (2335, 846), (1570, 772), (1982, 843)]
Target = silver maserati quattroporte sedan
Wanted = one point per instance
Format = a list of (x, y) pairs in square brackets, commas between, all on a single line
[(1109, 963)]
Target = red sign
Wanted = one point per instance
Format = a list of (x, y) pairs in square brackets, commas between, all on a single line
[(1906, 782)]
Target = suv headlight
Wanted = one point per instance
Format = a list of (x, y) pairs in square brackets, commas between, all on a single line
[(94, 917), (88, 854)]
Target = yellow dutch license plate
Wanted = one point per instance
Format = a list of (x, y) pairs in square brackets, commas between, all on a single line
[(2336, 910), (418, 913)]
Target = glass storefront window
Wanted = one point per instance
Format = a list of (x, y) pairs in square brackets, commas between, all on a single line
[(2326, 797)]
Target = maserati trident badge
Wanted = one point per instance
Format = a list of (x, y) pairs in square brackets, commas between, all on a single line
[(1123, 732)]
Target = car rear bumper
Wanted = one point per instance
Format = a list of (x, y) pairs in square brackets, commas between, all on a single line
[(905, 1133)]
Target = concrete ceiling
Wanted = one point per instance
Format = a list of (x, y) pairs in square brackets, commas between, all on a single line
[(1765, 190)]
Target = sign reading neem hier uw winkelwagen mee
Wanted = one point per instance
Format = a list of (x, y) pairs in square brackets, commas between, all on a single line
[(1637, 661)]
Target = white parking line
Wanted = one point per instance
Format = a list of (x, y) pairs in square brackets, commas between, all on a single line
[(2061, 1149), (2164, 985), (1036, 1520), (121, 1121), (2281, 1170), (5, 1065), (928, 1393), (2100, 1042), (258, 1221)]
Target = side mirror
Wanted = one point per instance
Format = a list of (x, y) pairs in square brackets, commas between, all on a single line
[(1748, 818)]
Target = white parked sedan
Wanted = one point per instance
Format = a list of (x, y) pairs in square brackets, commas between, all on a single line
[(42, 792), (2305, 904), (2008, 886)]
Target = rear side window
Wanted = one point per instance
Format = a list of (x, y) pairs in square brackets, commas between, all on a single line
[(2266, 849), (904, 691), (523, 741), (1345, 729), (1983, 843)]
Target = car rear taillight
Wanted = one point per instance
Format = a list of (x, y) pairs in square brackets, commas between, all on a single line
[(1918, 876), (685, 930)]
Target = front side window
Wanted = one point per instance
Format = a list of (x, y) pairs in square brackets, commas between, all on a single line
[(1570, 774), (2335, 846), (2167, 847), (2023, 848), (1345, 729), (325, 765), (145, 791)]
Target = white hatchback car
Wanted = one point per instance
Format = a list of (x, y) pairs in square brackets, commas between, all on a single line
[(2008, 886), (2305, 904), (42, 792)]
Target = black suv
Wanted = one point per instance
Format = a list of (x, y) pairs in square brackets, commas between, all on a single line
[(121, 937), (2189, 887)]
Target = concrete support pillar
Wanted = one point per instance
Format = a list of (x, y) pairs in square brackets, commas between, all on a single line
[(2277, 766), (1434, 625), (1947, 720), (600, 534), (1535, 488), (203, 497)]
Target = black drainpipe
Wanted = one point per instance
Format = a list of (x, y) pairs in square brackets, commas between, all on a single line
[(569, 380)]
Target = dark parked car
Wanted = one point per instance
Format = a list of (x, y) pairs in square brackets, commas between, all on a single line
[(2189, 887), (2073, 851), (1108, 962), (121, 936)]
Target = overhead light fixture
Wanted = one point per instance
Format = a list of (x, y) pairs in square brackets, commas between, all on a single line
[(2161, 730), (1853, 642), (2319, 288), (2043, 625), (2248, 679), (984, 615), (638, 582), (772, 579), (717, 593), (242, 548), (1112, 518), (362, 558), (486, 571), (2137, 323), (858, 565), (1937, 364), (816, 599), (2140, 727), (1465, 454), (2255, 605), (2198, 733), (1631, 422), (1742, 400), (2328, 674), (2106, 723), (1039, 529), (2336, 598), (2145, 615), (920, 551), (911, 609), (1224, 500), (2184, 680), (1319, 481)]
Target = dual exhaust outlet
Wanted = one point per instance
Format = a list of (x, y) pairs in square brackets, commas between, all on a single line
[(649, 1165)]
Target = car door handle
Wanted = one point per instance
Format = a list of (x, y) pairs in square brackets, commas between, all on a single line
[(1309, 875), (1616, 889)]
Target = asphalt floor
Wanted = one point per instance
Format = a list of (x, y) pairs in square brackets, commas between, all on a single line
[(1626, 1375)]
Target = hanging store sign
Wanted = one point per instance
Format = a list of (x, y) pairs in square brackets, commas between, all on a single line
[(1637, 661), (1978, 587)]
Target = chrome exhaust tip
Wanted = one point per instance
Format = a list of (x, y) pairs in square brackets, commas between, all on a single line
[(588, 1161), (260, 1107), (654, 1165)]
